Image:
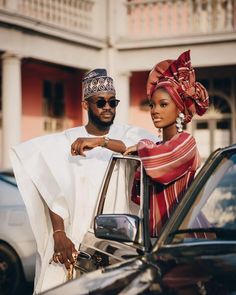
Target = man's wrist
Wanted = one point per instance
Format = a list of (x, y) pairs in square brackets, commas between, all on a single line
[(105, 141), (58, 231)]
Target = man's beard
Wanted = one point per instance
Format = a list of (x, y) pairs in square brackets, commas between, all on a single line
[(97, 122)]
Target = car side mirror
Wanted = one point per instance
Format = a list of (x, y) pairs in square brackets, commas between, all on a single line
[(119, 227)]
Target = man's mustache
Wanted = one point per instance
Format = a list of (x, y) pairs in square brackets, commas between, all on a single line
[(107, 112)]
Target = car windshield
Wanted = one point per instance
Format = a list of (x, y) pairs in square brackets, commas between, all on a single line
[(212, 215)]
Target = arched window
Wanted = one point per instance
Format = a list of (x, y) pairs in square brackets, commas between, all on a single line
[(220, 104), (214, 129)]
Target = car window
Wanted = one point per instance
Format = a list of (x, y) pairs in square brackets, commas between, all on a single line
[(213, 214), (122, 188), (8, 177)]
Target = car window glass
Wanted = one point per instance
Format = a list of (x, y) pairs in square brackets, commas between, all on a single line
[(8, 177), (121, 188), (213, 214), (220, 208)]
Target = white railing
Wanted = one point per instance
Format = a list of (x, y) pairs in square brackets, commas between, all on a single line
[(128, 20), (72, 15), (165, 18), (56, 124)]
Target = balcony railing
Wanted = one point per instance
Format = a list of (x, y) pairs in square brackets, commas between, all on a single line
[(70, 14), (96, 22), (56, 124), (165, 18), (70, 19)]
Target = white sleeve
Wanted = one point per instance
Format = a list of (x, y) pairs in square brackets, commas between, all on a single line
[(135, 134), (37, 187)]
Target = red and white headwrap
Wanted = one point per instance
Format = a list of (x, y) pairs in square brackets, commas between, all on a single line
[(177, 77)]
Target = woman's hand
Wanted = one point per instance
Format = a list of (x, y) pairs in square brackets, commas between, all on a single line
[(64, 249), (131, 150)]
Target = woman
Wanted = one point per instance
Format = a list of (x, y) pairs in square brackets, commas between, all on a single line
[(174, 97)]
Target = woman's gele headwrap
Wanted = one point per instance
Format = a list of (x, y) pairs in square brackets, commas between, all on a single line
[(177, 77)]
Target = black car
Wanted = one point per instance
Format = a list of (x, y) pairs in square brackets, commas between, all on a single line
[(194, 254)]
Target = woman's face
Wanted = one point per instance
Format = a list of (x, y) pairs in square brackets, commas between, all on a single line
[(163, 109)]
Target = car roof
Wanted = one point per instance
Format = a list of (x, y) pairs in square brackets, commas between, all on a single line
[(8, 177)]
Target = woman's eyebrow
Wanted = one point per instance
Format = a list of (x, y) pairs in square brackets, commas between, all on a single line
[(164, 100)]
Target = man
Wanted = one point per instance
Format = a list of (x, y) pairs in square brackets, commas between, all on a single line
[(59, 177)]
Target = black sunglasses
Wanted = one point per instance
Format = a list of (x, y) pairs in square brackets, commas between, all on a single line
[(113, 103)]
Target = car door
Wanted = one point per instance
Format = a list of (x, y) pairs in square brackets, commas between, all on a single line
[(122, 194)]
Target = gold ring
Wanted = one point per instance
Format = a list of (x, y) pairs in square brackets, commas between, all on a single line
[(57, 259), (75, 255), (54, 259)]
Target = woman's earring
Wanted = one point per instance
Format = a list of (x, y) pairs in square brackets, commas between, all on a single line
[(159, 134), (179, 122)]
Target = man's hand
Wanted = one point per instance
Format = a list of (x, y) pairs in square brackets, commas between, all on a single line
[(64, 249), (82, 144)]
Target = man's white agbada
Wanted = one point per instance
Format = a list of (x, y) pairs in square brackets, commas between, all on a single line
[(49, 177)]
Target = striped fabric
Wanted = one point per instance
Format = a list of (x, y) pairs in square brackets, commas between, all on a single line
[(171, 165)]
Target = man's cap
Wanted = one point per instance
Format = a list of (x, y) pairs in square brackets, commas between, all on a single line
[(97, 81)]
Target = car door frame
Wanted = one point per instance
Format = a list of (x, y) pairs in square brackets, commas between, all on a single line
[(102, 252)]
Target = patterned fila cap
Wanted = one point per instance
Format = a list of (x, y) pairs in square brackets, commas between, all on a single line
[(97, 81)]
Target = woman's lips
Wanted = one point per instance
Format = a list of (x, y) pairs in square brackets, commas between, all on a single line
[(156, 120)]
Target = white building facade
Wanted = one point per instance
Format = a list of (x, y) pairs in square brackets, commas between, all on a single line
[(65, 38)]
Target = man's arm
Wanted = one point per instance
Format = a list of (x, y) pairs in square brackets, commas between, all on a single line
[(82, 144), (63, 246)]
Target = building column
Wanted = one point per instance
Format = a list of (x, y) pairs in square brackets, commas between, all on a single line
[(11, 104), (122, 85)]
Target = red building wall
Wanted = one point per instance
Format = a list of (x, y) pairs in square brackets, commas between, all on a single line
[(139, 109), (34, 74)]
